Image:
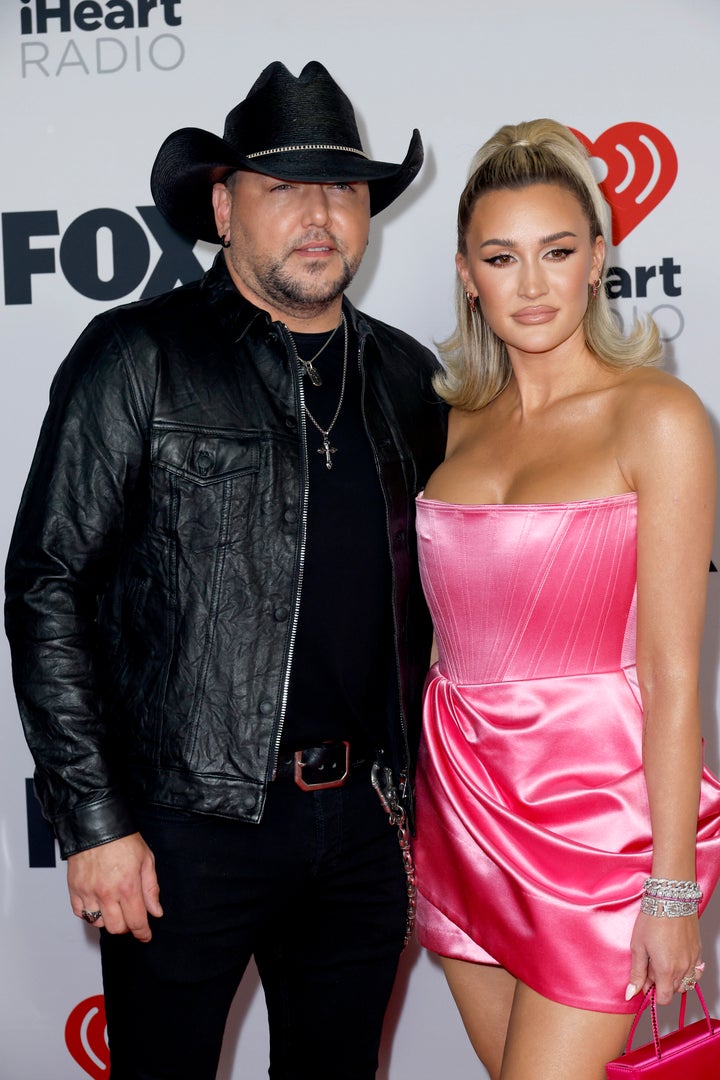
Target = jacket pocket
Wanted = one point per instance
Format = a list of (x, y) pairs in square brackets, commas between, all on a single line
[(204, 457), (203, 485)]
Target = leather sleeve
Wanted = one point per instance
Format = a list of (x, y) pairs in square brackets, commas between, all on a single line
[(65, 546)]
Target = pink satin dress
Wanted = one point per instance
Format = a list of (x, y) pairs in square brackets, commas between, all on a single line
[(533, 828)]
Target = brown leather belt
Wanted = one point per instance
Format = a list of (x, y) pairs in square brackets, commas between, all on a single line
[(318, 767)]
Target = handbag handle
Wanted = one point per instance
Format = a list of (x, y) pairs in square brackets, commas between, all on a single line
[(649, 999)]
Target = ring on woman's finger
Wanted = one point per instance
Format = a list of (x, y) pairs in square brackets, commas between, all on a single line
[(687, 983), (90, 916)]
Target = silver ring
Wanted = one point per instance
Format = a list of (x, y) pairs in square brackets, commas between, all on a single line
[(688, 982), (90, 916)]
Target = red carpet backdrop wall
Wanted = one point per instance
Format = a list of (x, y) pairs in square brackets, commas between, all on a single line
[(90, 88)]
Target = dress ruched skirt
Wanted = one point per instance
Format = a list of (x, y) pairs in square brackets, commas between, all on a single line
[(533, 827)]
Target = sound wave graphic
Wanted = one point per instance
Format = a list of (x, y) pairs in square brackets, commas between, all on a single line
[(640, 166)]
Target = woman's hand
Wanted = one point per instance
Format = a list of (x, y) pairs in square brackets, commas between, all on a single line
[(664, 952)]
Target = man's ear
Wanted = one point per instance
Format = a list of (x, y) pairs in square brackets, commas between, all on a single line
[(222, 205)]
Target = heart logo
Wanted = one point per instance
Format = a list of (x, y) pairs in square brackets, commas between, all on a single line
[(637, 166), (86, 1037)]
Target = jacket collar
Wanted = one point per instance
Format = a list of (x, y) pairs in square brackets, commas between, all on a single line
[(227, 303)]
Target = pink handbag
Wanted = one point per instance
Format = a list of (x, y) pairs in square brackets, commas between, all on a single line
[(690, 1053)]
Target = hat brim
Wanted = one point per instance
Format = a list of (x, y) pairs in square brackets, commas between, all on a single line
[(191, 160)]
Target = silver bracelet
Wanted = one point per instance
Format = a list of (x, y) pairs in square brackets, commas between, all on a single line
[(673, 909), (670, 889)]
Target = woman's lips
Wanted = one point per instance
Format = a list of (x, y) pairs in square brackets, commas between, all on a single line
[(533, 315)]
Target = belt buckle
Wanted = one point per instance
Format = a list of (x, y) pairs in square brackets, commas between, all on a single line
[(305, 785)]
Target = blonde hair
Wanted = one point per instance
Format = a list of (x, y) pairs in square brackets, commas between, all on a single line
[(476, 364)]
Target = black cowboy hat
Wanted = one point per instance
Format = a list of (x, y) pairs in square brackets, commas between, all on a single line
[(300, 129)]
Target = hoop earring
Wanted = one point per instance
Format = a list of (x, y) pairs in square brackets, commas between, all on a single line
[(471, 302), (223, 242)]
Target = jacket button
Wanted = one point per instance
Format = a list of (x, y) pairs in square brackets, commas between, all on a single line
[(204, 462), (291, 517), (272, 336), (281, 614), (249, 801), (291, 423), (266, 707)]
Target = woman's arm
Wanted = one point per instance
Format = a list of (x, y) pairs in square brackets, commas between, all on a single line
[(669, 459)]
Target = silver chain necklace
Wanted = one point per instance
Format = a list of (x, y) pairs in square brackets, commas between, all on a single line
[(309, 365), (326, 448)]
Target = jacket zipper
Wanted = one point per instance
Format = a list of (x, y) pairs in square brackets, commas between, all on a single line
[(297, 382)]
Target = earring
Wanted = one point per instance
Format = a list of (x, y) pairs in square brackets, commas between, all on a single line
[(595, 287), (223, 242), (471, 302)]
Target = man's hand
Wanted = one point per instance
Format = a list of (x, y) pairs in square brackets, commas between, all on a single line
[(119, 880)]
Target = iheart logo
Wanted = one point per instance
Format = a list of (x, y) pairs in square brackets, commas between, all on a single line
[(86, 1038), (638, 168)]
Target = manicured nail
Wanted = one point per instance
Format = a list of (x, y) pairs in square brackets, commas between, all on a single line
[(631, 991), (700, 967)]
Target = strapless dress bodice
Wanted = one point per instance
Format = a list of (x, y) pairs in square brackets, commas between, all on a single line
[(530, 591)]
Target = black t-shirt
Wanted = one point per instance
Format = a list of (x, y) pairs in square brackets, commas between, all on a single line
[(342, 669)]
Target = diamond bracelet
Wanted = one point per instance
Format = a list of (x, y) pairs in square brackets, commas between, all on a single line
[(670, 898), (668, 889)]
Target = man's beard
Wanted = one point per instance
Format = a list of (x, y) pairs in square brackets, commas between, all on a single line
[(300, 294)]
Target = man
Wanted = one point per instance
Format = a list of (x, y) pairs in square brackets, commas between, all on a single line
[(218, 633)]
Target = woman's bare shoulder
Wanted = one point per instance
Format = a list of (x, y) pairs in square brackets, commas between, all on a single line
[(649, 381), (649, 395), (660, 420)]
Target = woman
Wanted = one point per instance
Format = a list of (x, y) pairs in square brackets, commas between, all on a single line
[(565, 544)]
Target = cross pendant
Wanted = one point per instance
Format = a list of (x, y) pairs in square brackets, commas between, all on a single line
[(327, 450)]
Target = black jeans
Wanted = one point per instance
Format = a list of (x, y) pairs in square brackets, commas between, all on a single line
[(316, 892)]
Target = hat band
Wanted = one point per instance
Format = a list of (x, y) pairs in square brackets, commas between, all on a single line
[(305, 146)]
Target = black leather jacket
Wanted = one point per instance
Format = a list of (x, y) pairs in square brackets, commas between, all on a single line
[(154, 572)]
